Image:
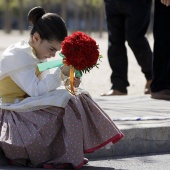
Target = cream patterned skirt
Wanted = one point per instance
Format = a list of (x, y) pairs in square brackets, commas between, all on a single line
[(56, 136)]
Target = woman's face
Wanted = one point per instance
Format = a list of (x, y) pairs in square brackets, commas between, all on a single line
[(44, 49)]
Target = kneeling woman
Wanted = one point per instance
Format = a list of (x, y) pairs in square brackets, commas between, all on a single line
[(42, 124)]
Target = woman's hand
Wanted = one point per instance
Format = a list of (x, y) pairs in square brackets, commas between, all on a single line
[(76, 82), (66, 70), (166, 2)]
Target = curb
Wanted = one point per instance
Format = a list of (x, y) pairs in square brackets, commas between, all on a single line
[(138, 141)]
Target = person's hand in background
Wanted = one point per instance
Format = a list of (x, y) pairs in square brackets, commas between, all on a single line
[(166, 2)]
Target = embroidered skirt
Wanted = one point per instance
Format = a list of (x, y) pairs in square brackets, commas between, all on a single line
[(54, 135)]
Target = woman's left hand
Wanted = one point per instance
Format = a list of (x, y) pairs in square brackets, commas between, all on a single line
[(77, 81)]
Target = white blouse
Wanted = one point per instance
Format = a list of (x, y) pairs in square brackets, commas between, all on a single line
[(26, 79), (19, 62)]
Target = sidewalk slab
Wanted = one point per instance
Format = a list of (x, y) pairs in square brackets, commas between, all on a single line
[(145, 123)]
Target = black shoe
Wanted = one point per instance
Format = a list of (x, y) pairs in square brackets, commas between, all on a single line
[(161, 95)]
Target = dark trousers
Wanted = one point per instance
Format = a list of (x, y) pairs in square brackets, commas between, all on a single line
[(161, 60), (128, 20)]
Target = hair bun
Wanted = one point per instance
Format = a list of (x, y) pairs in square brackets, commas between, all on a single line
[(35, 13)]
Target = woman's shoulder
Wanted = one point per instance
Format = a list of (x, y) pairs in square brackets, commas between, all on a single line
[(19, 47), (16, 56), (20, 51)]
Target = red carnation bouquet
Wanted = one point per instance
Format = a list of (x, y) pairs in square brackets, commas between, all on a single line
[(81, 52)]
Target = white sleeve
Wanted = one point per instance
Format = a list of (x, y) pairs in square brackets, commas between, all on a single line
[(27, 80)]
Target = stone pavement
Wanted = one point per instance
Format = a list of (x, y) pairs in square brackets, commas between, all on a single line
[(145, 122)]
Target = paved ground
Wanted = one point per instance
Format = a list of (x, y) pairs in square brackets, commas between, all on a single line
[(99, 79)]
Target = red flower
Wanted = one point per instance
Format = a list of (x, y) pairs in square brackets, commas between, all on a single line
[(80, 51)]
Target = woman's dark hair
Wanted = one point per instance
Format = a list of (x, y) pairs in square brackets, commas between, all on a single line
[(50, 26)]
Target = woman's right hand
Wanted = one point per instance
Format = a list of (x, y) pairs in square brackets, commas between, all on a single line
[(66, 70), (166, 2), (76, 82)]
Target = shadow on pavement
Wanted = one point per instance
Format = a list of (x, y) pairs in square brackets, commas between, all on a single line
[(83, 168), (99, 168)]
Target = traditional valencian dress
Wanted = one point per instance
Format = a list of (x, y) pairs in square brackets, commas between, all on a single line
[(40, 121)]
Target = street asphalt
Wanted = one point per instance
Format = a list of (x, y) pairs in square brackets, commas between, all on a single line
[(140, 162)]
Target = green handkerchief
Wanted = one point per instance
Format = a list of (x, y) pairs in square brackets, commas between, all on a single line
[(50, 64)]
